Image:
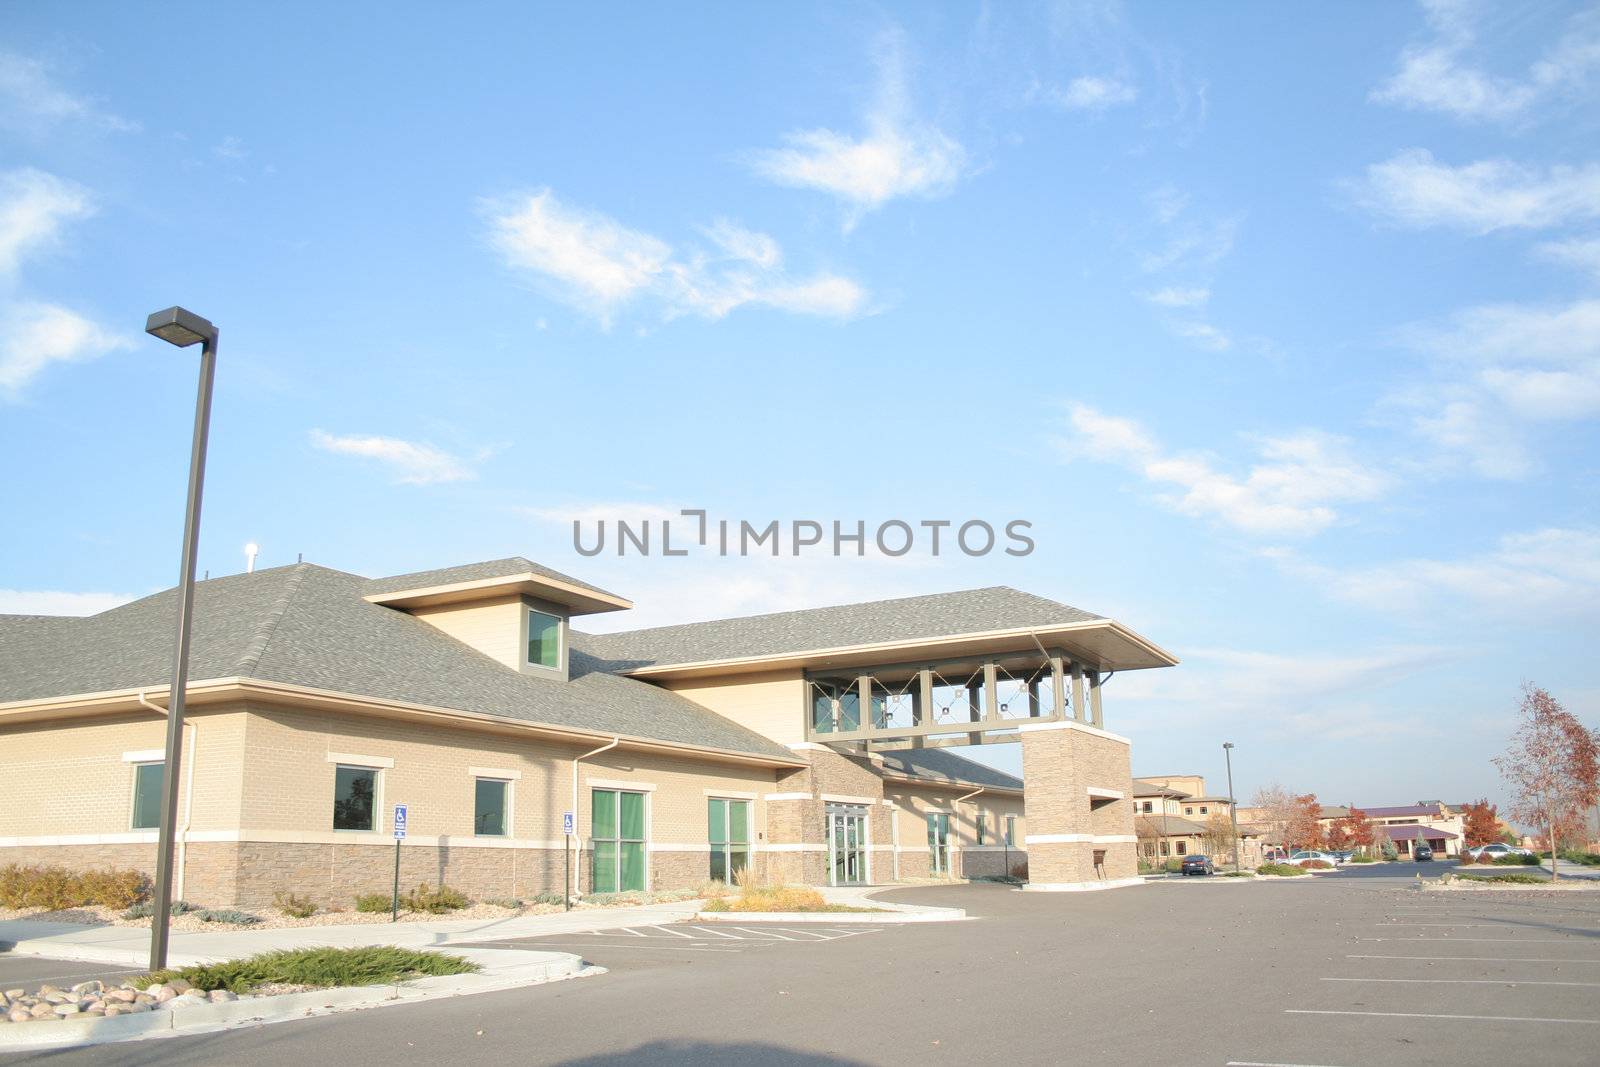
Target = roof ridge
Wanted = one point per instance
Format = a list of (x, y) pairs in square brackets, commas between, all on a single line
[(263, 636)]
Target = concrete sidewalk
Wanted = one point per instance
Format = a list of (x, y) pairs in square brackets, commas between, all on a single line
[(129, 946)]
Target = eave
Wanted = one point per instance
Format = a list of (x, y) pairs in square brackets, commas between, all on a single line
[(577, 599)]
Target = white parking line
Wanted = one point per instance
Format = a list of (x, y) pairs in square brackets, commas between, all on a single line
[(590, 946), (1473, 959), (1252, 1063), (670, 930), (759, 935), (713, 933), (1425, 1015), (1468, 940), (1466, 981)]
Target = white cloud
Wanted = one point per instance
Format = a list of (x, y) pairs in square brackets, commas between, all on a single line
[(1468, 427), (1439, 74), (33, 207), (1089, 93), (601, 266), (1548, 573), (1582, 253), (52, 602), (898, 155), (1413, 189), (1193, 246), (1290, 491), (1179, 297), (35, 335), (1203, 334), (410, 462), (30, 98)]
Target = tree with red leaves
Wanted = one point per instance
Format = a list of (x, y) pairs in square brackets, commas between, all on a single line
[(1552, 765), (1481, 823), (1304, 829), (1354, 830)]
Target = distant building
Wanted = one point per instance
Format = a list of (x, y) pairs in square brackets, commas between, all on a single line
[(1171, 819)]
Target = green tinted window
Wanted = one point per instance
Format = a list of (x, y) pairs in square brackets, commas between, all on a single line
[(739, 821), (717, 822), (603, 814), (632, 817), (631, 876), (544, 640), (605, 866), (355, 798), (489, 807), (147, 795)]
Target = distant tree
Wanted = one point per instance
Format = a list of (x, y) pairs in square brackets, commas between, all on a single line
[(1336, 836), (1359, 829), (1552, 764), (1219, 839), (1274, 808), (1482, 823), (1304, 829)]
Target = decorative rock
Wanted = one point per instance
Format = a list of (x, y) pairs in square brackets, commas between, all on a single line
[(167, 993), (179, 985), (154, 988), (124, 995), (134, 1009), (144, 999), (42, 1011), (19, 1015), (89, 987), (67, 1009), (96, 1011), (220, 995), (113, 1010), (46, 989), (15, 993)]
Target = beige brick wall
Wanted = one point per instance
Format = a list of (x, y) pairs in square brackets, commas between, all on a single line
[(1059, 766)]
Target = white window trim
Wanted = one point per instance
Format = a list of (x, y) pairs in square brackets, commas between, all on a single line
[(649, 819), (612, 783), (371, 763), (377, 796), (494, 772), (729, 794), (527, 634), (145, 755), (511, 793), (133, 791)]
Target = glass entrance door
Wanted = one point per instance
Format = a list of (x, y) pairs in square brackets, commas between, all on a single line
[(847, 845), (939, 843)]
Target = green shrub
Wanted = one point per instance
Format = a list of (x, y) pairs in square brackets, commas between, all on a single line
[(1281, 870), (374, 902), (146, 908), (1389, 852), (293, 906), (505, 902), (53, 888), (1238, 874), (548, 898), (1516, 861), (1173, 866), (1362, 857), (230, 916), (320, 967), (433, 901), (1515, 879)]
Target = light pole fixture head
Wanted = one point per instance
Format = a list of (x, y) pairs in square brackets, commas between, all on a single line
[(179, 327), (1227, 744)]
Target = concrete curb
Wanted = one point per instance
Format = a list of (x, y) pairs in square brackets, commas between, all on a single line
[(1080, 887), (500, 972)]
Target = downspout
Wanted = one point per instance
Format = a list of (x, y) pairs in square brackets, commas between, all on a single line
[(577, 838), (188, 798), (953, 807)]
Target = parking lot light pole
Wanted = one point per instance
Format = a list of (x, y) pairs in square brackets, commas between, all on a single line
[(1233, 803), (182, 328)]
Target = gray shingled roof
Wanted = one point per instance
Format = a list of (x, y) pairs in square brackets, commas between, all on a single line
[(471, 572), (307, 625), (1142, 788), (940, 764), (1168, 825), (875, 622)]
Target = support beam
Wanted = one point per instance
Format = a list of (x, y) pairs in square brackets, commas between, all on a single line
[(973, 713), (1098, 719), (864, 699), (1058, 682), (991, 692), (924, 716), (1078, 711), (1033, 699)]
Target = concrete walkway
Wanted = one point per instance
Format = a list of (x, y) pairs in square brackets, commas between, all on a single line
[(129, 946)]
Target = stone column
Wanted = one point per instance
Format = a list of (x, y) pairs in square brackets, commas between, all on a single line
[(1065, 835)]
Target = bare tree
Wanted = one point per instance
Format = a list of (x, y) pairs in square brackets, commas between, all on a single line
[(1552, 765), (1219, 837), (1275, 810)]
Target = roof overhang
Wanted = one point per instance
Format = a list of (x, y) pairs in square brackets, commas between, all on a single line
[(214, 691), (1101, 644), (576, 598), (947, 783)]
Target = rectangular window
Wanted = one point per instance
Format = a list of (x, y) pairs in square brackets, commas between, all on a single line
[(544, 640), (491, 807), (1147, 808), (1163, 848), (1188, 811), (617, 830), (355, 798), (1202, 809), (1011, 830), (1182, 847), (981, 818), (728, 830), (850, 710), (146, 796)]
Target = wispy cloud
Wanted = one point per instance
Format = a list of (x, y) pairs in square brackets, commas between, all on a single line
[(1547, 573), (408, 462), (35, 335), (31, 98), (1195, 297), (1440, 73), (897, 155), (1582, 253), (600, 266), (1413, 189), (1089, 93), (54, 602), (1203, 334), (33, 207), (1186, 248), (1290, 490)]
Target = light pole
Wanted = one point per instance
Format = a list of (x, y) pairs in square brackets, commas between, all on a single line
[(182, 328), (1233, 803)]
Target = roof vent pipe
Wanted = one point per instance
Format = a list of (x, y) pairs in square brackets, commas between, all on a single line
[(250, 552)]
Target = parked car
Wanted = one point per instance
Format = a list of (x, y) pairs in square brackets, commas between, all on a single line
[(1197, 865), (1344, 855), (1421, 853), (1495, 850), (1305, 856)]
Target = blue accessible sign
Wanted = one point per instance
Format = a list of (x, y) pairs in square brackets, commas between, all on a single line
[(399, 821), (568, 823)]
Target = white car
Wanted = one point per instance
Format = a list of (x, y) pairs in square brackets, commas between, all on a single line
[(1305, 856), (1496, 850)]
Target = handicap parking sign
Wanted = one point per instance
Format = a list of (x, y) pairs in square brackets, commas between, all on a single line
[(399, 821), (568, 823)]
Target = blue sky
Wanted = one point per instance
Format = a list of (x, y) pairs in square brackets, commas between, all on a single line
[(1281, 325)]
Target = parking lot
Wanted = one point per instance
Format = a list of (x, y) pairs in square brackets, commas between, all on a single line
[(1349, 969)]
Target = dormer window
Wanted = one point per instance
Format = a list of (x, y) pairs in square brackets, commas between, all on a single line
[(544, 640)]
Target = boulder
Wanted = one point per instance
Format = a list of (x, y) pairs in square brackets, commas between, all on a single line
[(218, 996), (69, 1008), (179, 985), (89, 987), (19, 1015)]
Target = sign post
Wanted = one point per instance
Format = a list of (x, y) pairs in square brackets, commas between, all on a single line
[(399, 832), (569, 824)]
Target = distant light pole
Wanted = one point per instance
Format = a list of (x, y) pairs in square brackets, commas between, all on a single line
[(1233, 803), (182, 328)]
